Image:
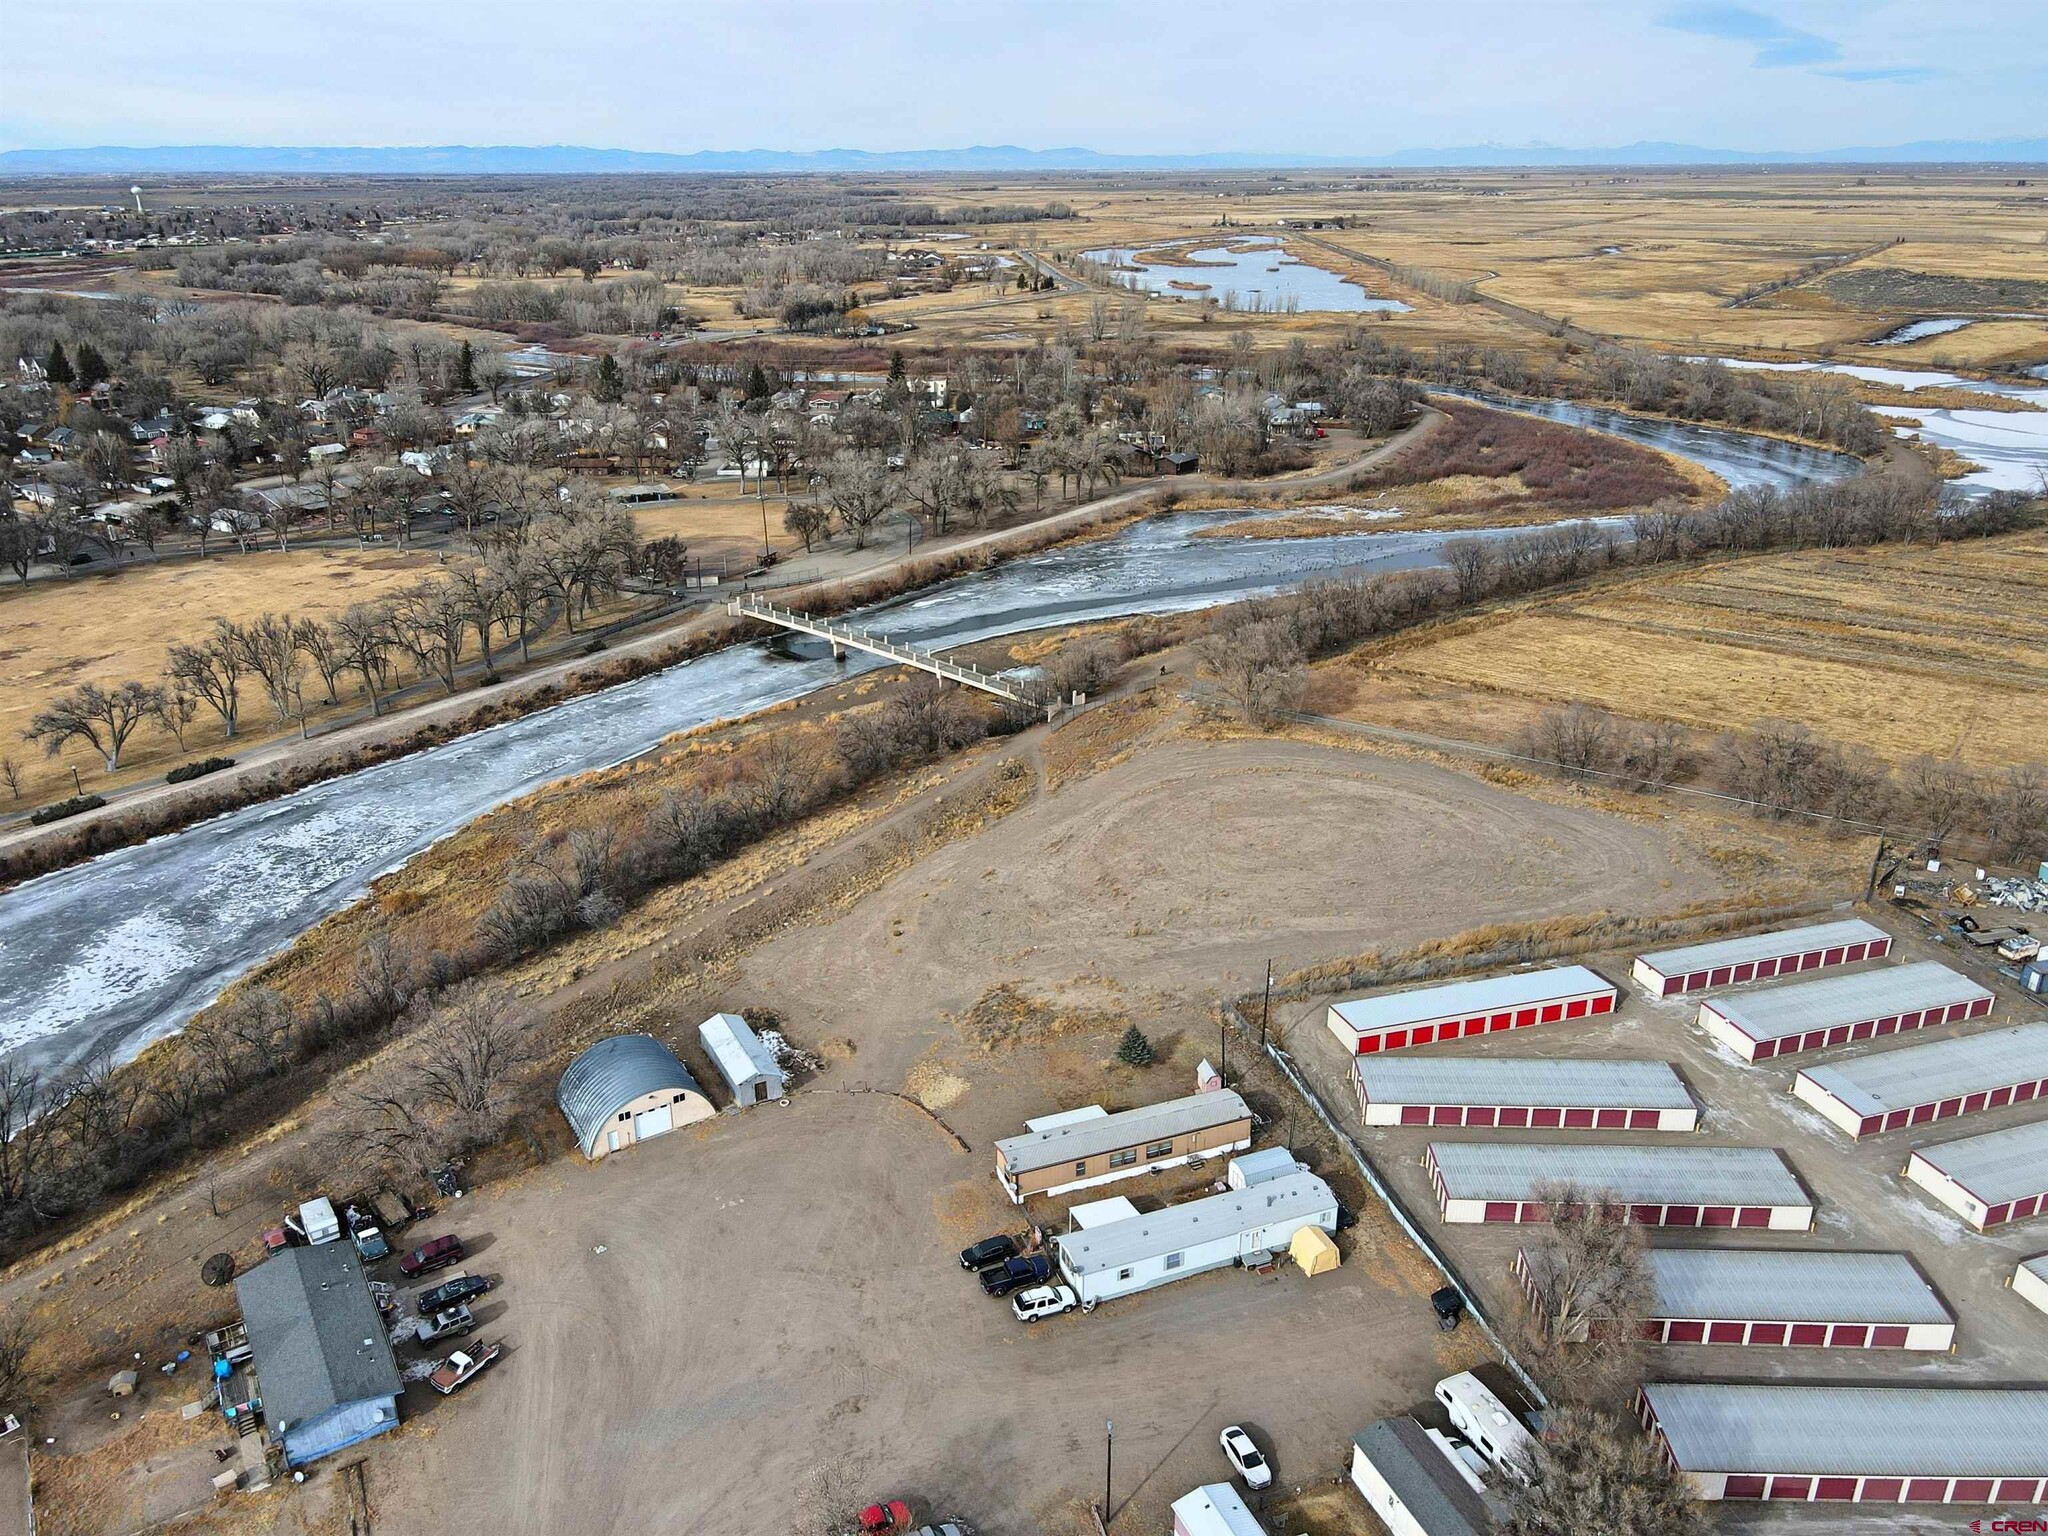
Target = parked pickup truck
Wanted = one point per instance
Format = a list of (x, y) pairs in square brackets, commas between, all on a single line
[(451, 1323), (463, 1367), (1015, 1274), (452, 1292)]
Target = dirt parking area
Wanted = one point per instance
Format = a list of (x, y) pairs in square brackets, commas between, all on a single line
[(1862, 1201)]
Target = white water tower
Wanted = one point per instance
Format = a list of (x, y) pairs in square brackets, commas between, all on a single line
[(136, 193)]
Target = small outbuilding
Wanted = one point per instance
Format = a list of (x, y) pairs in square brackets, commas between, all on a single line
[(1314, 1251), (1760, 956), (625, 1090), (322, 1361), (2030, 1279), (1249, 1168), (749, 1068)]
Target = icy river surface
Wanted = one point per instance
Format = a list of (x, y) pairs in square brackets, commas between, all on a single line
[(112, 954)]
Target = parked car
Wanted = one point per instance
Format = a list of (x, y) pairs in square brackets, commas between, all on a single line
[(1043, 1301), (885, 1515), (1015, 1274), (1244, 1457), (452, 1323), (452, 1292), (461, 1368), (370, 1244), (990, 1250), (430, 1256)]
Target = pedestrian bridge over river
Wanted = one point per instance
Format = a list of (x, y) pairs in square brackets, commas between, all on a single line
[(847, 637)]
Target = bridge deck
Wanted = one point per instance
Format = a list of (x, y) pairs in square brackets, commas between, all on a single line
[(849, 637)]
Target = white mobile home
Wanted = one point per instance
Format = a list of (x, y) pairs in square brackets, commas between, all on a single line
[(1139, 1252), (1214, 1509)]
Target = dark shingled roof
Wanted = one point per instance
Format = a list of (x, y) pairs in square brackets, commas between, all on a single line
[(1423, 1479), (611, 1075), (315, 1332)]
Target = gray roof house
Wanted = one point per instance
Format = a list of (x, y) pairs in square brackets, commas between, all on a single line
[(625, 1090), (1411, 1485), (323, 1362), (749, 1068)]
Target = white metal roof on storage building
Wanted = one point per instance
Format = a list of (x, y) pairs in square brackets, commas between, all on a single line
[(1461, 999), (736, 1050), (1854, 1431), (1773, 1012), (1940, 1069), (1494, 1170), (1535, 1081), (1997, 1166), (1107, 1133), (1769, 1285), (1122, 1243), (1762, 946)]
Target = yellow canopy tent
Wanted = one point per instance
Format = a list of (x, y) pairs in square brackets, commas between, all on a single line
[(1313, 1251)]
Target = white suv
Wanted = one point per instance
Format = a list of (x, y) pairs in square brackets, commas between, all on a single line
[(1043, 1301)]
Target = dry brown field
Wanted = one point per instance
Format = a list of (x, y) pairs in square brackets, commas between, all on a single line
[(1900, 650)]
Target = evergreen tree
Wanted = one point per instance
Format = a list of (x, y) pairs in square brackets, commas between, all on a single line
[(465, 369), (610, 386), (1134, 1049), (57, 367), (757, 383), (92, 368), (896, 367)]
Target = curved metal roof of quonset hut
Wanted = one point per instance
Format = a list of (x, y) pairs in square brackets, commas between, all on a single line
[(612, 1074)]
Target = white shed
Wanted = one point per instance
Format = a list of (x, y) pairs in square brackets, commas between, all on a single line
[(1249, 1168), (749, 1068)]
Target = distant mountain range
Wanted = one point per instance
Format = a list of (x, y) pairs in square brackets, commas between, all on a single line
[(563, 159)]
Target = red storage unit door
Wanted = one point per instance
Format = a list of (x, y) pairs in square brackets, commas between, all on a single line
[(1546, 1118), (1681, 1215), (1578, 1119), (1576, 1009), (1683, 1332), (1725, 1333), (1887, 1336), (1717, 1216), (1882, 1490), (1836, 1489), (1415, 1114), (1646, 1215), (1743, 1485), (1971, 1490), (1642, 1120), (1767, 1333), (1809, 1335), (1513, 1117), (1927, 1490), (1446, 1114), (1479, 1114), (1603, 1004), (1791, 1487), (1612, 1120), (1753, 1216), (1849, 1336), (1501, 1210), (2018, 1490)]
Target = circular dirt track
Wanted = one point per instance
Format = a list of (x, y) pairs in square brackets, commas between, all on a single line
[(1184, 869)]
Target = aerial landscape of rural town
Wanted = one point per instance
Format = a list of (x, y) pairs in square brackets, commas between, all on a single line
[(1219, 835)]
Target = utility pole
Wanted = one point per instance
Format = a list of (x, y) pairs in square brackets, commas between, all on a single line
[(1108, 1462), (1266, 1007), (1223, 1047)]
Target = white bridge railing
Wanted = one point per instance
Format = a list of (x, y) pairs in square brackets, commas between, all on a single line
[(848, 637)]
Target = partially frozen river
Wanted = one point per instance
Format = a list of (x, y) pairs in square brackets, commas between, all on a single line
[(1257, 273), (124, 949)]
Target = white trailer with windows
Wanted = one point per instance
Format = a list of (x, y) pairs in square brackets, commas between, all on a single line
[(1137, 1253), (1515, 1093), (1413, 1485), (1759, 956)]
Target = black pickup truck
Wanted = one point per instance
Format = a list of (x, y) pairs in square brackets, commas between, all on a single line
[(1015, 1274)]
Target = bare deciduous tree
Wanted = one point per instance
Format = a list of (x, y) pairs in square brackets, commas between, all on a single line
[(1258, 664), (103, 717), (1588, 1287), (1588, 1472)]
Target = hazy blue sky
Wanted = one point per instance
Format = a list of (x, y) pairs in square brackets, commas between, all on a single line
[(1157, 76)]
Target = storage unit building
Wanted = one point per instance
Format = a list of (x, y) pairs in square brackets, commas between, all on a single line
[(1759, 957), (1119, 1257), (1997, 1177), (1662, 1186), (749, 1068), (1074, 1151), (1788, 1299), (2030, 1279), (625, 1090), (1214, 1509), (322, 1359), (1411, 1484), (1775, 1021), (1868, 1445), (1460, 1009), (1512, 1093), (1933, 1081)]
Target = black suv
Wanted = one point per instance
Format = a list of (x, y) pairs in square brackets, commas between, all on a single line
[(990, 1250), (451, 1293), (1015, 1274)]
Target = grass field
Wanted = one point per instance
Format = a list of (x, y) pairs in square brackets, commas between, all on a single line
[(1902, 651)]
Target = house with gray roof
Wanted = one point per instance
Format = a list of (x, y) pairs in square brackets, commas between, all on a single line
[(322, 1360), (1410, 1482)]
